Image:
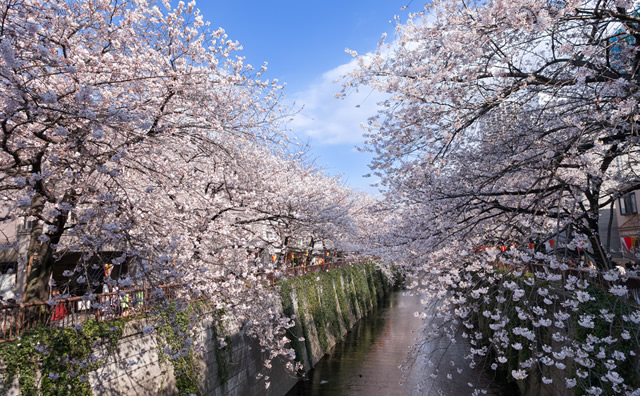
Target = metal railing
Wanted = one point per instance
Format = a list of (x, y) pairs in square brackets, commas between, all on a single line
[(301, 270), (16, 319)]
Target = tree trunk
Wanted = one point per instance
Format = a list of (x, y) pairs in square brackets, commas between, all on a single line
[(310, 254), (40, 254), (38, 257)]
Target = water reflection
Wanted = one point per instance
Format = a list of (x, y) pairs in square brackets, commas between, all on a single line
[(367, 361)]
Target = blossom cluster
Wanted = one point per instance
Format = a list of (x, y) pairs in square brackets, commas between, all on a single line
[(534, 321)]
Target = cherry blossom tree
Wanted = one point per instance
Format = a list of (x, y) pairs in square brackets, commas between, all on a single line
[(93, 93), (131, 127), (528, 108), (512, 123)]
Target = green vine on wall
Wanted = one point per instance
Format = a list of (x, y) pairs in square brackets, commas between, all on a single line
[(362, 292), (345, 308), (223, 351), (297, 331), (351, 290), (57, 361), (175, 344), (318, 315), (330, 300), (329, 305)]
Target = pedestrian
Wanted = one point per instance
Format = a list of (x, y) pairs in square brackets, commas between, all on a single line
[(60, 310)]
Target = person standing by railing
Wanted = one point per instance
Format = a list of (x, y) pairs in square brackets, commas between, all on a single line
[(59, 310), (125, 300)]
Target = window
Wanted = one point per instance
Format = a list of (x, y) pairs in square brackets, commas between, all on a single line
[(628, 204), (8, 267)]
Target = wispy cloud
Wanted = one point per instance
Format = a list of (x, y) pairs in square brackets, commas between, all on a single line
[(327, 120)]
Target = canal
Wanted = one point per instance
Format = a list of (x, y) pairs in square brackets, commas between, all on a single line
[(368, 361)]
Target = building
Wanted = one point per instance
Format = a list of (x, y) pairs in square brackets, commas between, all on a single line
[(628, 225)]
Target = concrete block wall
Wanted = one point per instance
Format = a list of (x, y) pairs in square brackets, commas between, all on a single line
[(151, 376), (134, 367)]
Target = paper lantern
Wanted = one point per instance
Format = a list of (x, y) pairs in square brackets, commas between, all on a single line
[(628, 242), (549, 244)]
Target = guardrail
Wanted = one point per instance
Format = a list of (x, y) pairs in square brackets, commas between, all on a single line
[(16, 319), (301, 270)]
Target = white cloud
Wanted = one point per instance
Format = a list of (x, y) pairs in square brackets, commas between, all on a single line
[(327, 120)]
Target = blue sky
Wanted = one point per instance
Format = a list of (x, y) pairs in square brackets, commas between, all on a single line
[(304, 44)]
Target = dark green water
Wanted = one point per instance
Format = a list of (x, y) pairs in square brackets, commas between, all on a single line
[(367, 361)]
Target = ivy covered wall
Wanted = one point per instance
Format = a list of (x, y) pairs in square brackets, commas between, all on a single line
[(325, 305)]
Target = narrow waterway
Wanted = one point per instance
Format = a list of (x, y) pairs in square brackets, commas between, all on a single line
[(368, 361)]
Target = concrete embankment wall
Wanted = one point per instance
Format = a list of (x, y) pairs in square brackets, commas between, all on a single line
[(325, 306)]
